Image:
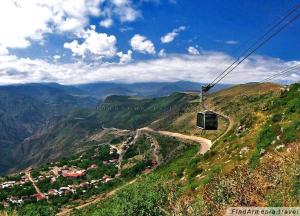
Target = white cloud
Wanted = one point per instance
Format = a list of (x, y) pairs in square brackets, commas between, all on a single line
[(99, 44), (168, 38), (25, 21), (120, 3), (124, 9), (3, 50), (56, 57), (200, 68), (28, 20), (127, 14), (76, 48), (162, 53), (141, 44), (125, 58), (295, 75), (193, 50), (106, 23), (232, 42)]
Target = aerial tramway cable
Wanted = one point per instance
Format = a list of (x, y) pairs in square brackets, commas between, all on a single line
[(290, 12), (256, 48), (208, 120), (281, 73), (256, 45)]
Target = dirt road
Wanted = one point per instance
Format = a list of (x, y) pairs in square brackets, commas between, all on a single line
[(205, 143), (38, 191)]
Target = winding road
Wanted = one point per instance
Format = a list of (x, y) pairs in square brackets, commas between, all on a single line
[(205, 143)]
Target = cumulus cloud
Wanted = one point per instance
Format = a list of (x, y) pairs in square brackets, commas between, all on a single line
[(99, 44), (125, 58), (106, 23), (123, 9), (25, 21), (141, 44), (28, 20), (193, 50), (199, 68), (168, 38), (127, 14)]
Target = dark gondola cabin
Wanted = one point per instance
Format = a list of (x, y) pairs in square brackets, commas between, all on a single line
[(207, 120)]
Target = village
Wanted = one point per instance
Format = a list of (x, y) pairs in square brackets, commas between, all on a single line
[(55, 172), (89, 173)]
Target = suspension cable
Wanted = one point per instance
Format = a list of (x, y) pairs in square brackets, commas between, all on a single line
[(256, 45)]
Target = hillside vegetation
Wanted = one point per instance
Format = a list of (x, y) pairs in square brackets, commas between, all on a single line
[(255, 164), (69, 134), (29, 111), (42, 122)]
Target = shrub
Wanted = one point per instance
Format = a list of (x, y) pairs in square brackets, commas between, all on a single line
[(180, 173), (136, 169), (131, 152), (115, 140), (296, 188), (291, 133), (276, 118), (247, 120), (37, 210), (254, 160), (209, 154), (196, 171)]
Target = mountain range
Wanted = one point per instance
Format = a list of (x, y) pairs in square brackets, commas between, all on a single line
[(29, 111)]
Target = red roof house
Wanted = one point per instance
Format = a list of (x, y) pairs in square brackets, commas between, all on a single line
[(74, 174), (39, 196)]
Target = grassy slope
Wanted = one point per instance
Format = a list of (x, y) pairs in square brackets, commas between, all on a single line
[(241, 169)]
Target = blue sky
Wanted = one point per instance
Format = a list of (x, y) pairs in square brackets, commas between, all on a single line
[(79, 41)]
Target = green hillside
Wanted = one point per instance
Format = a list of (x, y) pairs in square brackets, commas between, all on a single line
[(256, 163), (135, 112), (67, 136)]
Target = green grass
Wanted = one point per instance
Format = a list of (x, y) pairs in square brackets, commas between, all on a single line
[(167, 144), (266, 137), (210, 183)]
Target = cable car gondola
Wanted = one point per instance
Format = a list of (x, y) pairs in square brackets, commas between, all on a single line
[(206, 120)]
